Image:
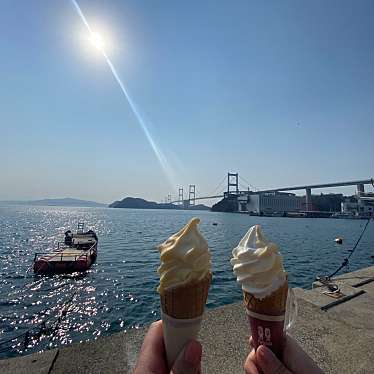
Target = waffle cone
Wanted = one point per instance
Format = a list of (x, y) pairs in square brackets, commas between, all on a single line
[(272, 305), (186, 301)]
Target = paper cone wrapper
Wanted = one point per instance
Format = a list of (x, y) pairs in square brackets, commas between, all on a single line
[(177, 333), (266, 318), (182, 311)]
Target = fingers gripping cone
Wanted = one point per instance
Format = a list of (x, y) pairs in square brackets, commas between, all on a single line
[(182, 312)]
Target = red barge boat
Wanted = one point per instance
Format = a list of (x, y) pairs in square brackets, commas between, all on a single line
[(78, 253)]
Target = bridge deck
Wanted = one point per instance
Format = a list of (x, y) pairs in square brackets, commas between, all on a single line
[(294, 188)]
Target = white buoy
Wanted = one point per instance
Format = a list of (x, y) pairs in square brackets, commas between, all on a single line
[(339, 240)]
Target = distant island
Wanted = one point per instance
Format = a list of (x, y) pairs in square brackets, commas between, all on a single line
[(127, 202), (66, 201), (138, 203)]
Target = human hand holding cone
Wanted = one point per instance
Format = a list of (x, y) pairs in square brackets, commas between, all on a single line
[(185, 278), (258, 266)]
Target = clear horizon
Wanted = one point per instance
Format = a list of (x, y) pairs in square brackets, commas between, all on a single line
[(281, 93)]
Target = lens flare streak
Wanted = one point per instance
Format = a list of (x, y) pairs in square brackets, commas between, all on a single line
[(159, 154)]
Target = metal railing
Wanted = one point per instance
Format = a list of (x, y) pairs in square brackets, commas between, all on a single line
[(62, 253)]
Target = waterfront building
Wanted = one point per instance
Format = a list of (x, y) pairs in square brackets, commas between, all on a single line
[(270, 202), (359, 205)]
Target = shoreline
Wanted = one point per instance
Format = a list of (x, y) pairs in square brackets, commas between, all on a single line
[(324, 334), (314, 215)]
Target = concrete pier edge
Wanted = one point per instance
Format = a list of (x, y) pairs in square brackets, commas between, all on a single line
[(339, 339)]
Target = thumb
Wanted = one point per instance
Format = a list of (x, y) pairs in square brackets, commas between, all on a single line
[(268, 362), (189, 359)]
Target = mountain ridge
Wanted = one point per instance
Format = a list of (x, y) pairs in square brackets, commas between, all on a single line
[(64, 201)]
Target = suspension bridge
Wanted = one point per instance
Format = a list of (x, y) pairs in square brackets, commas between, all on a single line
[(238, 186)]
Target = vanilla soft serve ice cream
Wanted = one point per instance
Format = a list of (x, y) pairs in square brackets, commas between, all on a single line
[(185, 258), (257, 264)]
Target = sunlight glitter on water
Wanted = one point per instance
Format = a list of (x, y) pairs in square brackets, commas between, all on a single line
[(119, 292)]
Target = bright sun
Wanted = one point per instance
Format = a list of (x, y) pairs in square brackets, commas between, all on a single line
[(97, 41)]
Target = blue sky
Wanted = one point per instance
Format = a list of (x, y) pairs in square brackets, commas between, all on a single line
[(281, 92)]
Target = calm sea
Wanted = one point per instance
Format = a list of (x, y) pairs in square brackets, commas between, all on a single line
[(118, 293)]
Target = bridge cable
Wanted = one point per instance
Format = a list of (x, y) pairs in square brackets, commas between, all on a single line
[(245, 187), (219, 185), (249, 184)]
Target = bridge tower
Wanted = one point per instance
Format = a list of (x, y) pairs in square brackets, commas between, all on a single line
[(169, 198), (308, 199), (360, 189), (232, 181), (180, 197), (192, 194)]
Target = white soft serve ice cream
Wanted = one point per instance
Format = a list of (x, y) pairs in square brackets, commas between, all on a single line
[(185, 257), (257, 264)]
